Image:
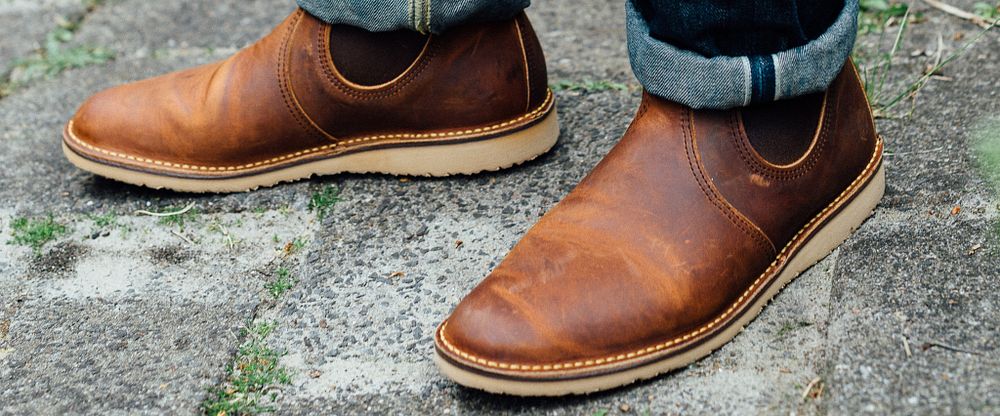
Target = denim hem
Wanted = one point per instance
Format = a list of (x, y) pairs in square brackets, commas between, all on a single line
[(371, 15), (420, 15), (433, 16), (736, 81)]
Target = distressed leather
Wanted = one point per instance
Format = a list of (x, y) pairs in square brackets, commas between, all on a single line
[(655, 249), (282, 101)]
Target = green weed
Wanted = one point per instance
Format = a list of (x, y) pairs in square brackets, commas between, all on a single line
[(324, 200), (53, 58), (181, 219), (102, 221), (986, 141), (875, 70), (281, 284), (986, 11), (877, 15), (789, 327), (254, 369), (35, 233), (588, 86)]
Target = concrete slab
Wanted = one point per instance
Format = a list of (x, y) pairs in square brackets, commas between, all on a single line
[(913, 318), (135, 317), (26, 23), (142, 321)]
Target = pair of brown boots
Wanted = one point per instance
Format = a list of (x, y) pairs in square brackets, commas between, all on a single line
[(663, 253)]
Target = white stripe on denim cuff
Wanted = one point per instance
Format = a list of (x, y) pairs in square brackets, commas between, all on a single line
[(420, 15), (747, 81), (778, 65)]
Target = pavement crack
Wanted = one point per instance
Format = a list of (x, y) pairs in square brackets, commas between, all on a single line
[(254, 376)]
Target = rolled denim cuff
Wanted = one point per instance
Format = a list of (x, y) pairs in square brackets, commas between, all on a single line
[(424, 16), (735, 81)]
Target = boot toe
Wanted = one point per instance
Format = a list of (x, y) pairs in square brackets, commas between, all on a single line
[(108, 126), (490, 332)]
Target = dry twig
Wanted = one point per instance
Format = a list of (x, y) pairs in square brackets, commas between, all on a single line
[(929, 344), (188, 240), (809, 388), (962, 14), (166, 214)]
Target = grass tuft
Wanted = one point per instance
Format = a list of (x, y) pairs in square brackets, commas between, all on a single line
[(281, 284), (588, 86), (877, 15), (875, 70), (54, 57), (324, 200), (986, 141), (986, 11), (35, 233), (253, 372), (789, 327), (181, 219), (102, 221)]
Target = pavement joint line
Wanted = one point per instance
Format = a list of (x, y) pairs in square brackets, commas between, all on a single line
[(273, 293), (920, 269)]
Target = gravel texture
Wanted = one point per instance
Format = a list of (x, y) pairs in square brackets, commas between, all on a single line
[(142, 316)]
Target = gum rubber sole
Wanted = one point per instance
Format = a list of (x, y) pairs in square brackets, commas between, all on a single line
[(822, 242), (424, 160)]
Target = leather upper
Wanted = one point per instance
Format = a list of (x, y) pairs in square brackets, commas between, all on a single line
[(282, 101), (660, 245)]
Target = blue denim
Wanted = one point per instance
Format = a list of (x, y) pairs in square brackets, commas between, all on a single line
[(692, 69), (723, 81), (738, 28), (424, 16)]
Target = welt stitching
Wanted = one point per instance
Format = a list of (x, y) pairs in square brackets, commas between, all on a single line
[(536, 113), (283, 81), (390, 90), (293, 100), (680, 339), (796, 172), (527, 65), (706, 189), (763, 170), (643, 106), (861, 87)]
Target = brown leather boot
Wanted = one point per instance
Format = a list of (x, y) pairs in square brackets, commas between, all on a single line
[(670, 246), (473, 99)]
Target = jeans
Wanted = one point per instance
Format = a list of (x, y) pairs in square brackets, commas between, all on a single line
[(433, 16), (701, 53)]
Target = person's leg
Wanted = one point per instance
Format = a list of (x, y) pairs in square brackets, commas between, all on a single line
[(724, 54), (326, 96), (724, 27), (424, 16), (752, 156)]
